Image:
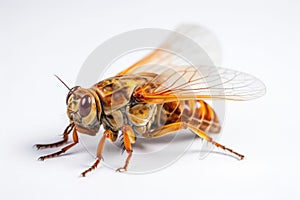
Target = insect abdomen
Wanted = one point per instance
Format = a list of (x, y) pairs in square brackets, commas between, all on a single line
[(198, 113), (194, 112)]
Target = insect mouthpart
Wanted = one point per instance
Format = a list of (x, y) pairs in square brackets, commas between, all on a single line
[(73, 115)]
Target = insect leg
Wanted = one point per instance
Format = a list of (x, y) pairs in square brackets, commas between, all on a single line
[(63, 150), (57, 144), (129, 138), (204, 136), (108, 134), (167, 129)]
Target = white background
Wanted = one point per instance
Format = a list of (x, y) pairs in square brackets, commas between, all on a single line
[(39, 39)]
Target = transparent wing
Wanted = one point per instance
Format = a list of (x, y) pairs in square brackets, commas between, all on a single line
[(188, 43), (201, 82)]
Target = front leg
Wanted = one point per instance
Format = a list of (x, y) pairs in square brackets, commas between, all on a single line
[(128, 139), (57, 144), (63, 150)]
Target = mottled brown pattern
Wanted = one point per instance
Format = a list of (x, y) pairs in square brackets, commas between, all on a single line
[(172, 111), (116, 92), (112, 104)]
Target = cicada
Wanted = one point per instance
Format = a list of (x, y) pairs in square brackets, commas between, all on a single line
[(152, 98)]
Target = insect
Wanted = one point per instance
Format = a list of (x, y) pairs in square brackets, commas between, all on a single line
[(149, 100)]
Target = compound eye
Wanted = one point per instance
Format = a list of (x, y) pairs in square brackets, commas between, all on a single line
[(85, 105)]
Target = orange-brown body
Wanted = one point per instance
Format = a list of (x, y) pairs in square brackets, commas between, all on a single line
[(117, 104), (152, 98), (120, 107)]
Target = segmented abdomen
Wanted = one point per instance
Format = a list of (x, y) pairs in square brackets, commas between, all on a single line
[(194, 112)]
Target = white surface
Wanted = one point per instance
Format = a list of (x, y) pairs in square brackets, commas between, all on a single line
[(41, 39)]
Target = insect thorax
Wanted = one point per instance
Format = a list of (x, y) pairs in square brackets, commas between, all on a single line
[(116, 99), (119, 107)]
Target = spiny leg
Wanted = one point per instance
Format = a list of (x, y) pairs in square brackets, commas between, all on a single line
[(128, 139), (108, 134), (59, 143), (167, 129), (63, 150), (204, 136)]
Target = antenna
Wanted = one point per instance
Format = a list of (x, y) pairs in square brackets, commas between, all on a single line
[(62, 82)]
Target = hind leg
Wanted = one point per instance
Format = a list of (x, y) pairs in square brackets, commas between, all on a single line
[(170, 128), (204, 136)]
